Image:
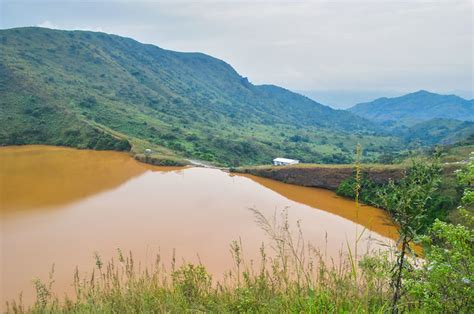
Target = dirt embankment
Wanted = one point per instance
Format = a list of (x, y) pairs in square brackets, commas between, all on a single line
[(328, 177), (161, 161)]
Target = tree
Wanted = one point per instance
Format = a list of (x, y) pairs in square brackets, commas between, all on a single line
[(445, 282), (406, 202)]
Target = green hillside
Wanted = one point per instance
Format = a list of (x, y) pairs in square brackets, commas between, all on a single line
[(95, 90), (416, 107), (439, 131)]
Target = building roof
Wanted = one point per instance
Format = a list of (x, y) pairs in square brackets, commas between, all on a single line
[(284, 160)]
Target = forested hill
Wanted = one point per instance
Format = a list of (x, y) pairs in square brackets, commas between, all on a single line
[(417, 107), (96, 90)]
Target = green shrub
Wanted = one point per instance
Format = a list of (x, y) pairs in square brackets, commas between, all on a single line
[(445, 282), (368, 189), (193, 282), (437, 206)]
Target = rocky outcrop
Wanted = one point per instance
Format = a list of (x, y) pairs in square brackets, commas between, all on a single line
[(328, 177)]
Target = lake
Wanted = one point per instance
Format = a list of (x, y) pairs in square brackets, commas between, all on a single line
[(60, 205)]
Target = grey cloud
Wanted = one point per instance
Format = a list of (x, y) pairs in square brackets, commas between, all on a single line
[(302, 45)]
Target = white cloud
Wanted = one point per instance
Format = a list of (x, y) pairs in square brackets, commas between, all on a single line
[(48, 24)]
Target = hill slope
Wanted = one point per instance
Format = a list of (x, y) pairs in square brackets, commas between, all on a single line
[(437, 131), (416, 107), (101, 91)]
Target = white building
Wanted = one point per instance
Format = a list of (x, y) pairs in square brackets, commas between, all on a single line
[(285, 161)]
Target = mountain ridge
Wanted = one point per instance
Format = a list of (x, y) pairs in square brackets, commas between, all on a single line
[(94, 90), (416, 107)]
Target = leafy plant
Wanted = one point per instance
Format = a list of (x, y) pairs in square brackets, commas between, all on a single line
[(406, 202), (445, 282)]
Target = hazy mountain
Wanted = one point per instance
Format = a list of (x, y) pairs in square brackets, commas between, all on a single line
[(436, 131), (416, 107), (343, 99), (95, 90)]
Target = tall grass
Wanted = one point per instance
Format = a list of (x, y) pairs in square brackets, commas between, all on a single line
[(291, 276)]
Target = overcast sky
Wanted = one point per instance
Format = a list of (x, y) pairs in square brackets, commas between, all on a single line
[(326, 46)]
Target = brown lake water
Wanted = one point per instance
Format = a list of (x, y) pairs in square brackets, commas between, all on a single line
[(60, 205)]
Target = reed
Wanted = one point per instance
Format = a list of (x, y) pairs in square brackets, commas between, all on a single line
[(291, 276)]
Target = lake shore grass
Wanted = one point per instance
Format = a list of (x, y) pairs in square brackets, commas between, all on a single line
[(291, 276), (119, 287)]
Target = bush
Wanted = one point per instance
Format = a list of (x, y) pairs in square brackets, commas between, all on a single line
[(437, 206), (192, 281), (368, 189), (445, 282)]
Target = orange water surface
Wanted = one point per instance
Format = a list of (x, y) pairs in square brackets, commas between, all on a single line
[(60, 205)]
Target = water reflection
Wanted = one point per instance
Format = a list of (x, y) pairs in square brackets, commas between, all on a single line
[(370, 217), (37, 176)]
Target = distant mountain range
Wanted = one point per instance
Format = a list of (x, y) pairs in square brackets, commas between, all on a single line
[(100, 91), (423, 117), (344, 99), (416, 107)]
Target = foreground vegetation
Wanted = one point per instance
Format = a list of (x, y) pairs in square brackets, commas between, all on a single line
[(294, 276)]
